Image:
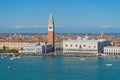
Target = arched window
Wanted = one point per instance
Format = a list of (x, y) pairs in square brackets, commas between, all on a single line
[(80, 46), (66, 45), (84, 45), (76, 45), (89, 46)]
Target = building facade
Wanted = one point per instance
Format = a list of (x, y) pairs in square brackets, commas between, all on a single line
[(112, 51), (35, 48), (84, 45), (14, 45), (51, 33)]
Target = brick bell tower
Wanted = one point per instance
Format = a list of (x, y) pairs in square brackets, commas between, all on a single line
[(51, 33)]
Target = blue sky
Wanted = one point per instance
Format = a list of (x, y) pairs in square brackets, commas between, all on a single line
[(70, 15)]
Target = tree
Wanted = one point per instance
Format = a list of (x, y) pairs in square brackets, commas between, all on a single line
[(2, 51), (12, 51)]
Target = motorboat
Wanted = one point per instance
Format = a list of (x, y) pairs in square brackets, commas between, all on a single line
[(108, 64), (18, 57), (9, 67), (2, 57), (11, 58), (82, 59)]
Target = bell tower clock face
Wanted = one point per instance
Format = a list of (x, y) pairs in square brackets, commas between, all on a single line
[(50, 28)]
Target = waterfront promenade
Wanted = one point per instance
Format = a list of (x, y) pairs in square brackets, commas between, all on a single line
[(57, 53), (60, 53)]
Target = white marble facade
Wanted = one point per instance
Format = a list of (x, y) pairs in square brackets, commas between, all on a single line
[(84, 45)]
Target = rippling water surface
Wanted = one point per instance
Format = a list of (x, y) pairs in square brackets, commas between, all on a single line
[(59, 68)]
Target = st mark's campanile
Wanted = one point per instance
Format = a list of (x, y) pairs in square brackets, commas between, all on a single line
[(51, 33)]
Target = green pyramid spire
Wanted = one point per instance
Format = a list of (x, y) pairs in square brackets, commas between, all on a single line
[(51, 20)]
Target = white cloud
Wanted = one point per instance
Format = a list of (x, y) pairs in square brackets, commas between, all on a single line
[(104, 27), (29, 26), (34, 26)]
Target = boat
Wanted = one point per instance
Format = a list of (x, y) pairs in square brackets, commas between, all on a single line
[(5, 56), (15, 57), (9, 67), (11, 58), (2, 57), (108, 64), (82, 59), (18, 57)]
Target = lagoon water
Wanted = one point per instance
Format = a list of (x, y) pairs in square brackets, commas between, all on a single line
[(59, 68)]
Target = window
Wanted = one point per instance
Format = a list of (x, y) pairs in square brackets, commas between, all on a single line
[(94, 46), (76, 45), (71, 45), (79, 46), (84, 45), (89, 46), (66, 45)]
